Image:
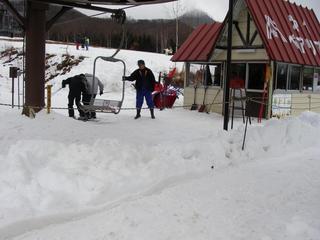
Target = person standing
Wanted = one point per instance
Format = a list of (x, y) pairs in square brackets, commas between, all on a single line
[(145, 82), (83, 41), (77, 85), (87, 43), (92, 92), (77, 42)]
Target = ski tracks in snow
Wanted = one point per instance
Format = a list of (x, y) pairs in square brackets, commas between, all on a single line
[(27, 226)]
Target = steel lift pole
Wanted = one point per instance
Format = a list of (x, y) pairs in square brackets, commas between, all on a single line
[(226, 97)]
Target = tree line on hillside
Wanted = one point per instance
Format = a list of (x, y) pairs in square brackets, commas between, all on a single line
[(141, 35)]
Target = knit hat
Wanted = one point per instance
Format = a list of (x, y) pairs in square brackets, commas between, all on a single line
[(141, 62)]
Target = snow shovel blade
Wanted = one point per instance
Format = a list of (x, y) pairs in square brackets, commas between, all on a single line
[(194, 107), (202, 108)]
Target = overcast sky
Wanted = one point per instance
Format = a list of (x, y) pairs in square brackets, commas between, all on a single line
[(217, 9)]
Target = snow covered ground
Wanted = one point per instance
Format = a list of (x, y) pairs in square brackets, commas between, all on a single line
[(153, 179)]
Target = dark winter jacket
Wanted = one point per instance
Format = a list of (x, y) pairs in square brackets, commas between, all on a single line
[(144, 79), (77, 84)]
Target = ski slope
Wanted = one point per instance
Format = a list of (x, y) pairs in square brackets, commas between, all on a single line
[(109, 73), (118, 178)]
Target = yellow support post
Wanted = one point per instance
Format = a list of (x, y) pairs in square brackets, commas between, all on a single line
[(49, 88)]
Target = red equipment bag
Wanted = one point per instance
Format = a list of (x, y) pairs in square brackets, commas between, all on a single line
[(165, 99), (162, 96)]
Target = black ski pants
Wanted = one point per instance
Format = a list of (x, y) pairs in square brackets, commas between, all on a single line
[(74, 99), (86, 99)]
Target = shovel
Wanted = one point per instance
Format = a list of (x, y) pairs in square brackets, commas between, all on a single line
[(203, 106), (194, 105)]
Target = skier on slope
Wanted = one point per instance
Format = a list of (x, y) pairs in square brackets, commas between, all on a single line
[(145, 82), (92, 92), (77, 85)]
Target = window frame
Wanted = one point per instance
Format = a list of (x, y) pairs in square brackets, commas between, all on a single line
[(248, 75), (277, 74), (317, 70), (290, 66), (188, 67), (302, 79)]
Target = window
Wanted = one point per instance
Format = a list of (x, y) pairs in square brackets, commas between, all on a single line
[(239, 71), (196, 75), (294, 80), (282, 76), (205, 75), (316, 80), (256, 76), (308, 75), (214, 75)]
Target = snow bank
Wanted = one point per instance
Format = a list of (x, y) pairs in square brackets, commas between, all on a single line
[(37, 176), (277, 138)]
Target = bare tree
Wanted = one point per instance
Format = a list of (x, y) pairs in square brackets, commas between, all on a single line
[(178, 9)]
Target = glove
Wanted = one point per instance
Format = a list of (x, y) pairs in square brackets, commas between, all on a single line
[(101, 93), (124, 78), (63, 84)]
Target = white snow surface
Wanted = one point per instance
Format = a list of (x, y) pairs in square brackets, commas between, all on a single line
[(118, 178)]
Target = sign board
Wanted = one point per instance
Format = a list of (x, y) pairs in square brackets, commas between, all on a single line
[(297, 39), (281, 104), (13, 72)]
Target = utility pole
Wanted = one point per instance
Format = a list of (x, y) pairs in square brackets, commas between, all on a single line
[(177, 31), (226, 97)]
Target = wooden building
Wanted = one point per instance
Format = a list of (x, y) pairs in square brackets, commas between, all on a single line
[(273, 36)]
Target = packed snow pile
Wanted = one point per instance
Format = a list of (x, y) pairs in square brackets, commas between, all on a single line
[(50, 172), (276, 137), (176, 177)]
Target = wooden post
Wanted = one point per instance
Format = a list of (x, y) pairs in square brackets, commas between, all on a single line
[(270, 92), (35, 57), (309, 97), (49, 91)]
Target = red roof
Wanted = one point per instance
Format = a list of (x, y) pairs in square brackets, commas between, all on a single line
[(290, 33), (199, 45)]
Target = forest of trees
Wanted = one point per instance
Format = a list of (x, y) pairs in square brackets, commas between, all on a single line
[(142, 35)]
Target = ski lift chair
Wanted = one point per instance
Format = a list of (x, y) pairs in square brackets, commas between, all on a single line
[(103, 105)]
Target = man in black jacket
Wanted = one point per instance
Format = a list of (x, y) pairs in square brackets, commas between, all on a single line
[(77, 85), (145, 83)]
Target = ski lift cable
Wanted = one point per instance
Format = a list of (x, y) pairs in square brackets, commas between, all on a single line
[(93, 15), (80, 18)]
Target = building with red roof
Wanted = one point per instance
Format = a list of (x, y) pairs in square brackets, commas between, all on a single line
[(276, 52)]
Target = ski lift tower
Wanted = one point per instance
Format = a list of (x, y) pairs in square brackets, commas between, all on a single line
[(35, 25), (226, 97)]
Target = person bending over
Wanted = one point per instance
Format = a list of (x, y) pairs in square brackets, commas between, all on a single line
[(92, 92), (77, 85)]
